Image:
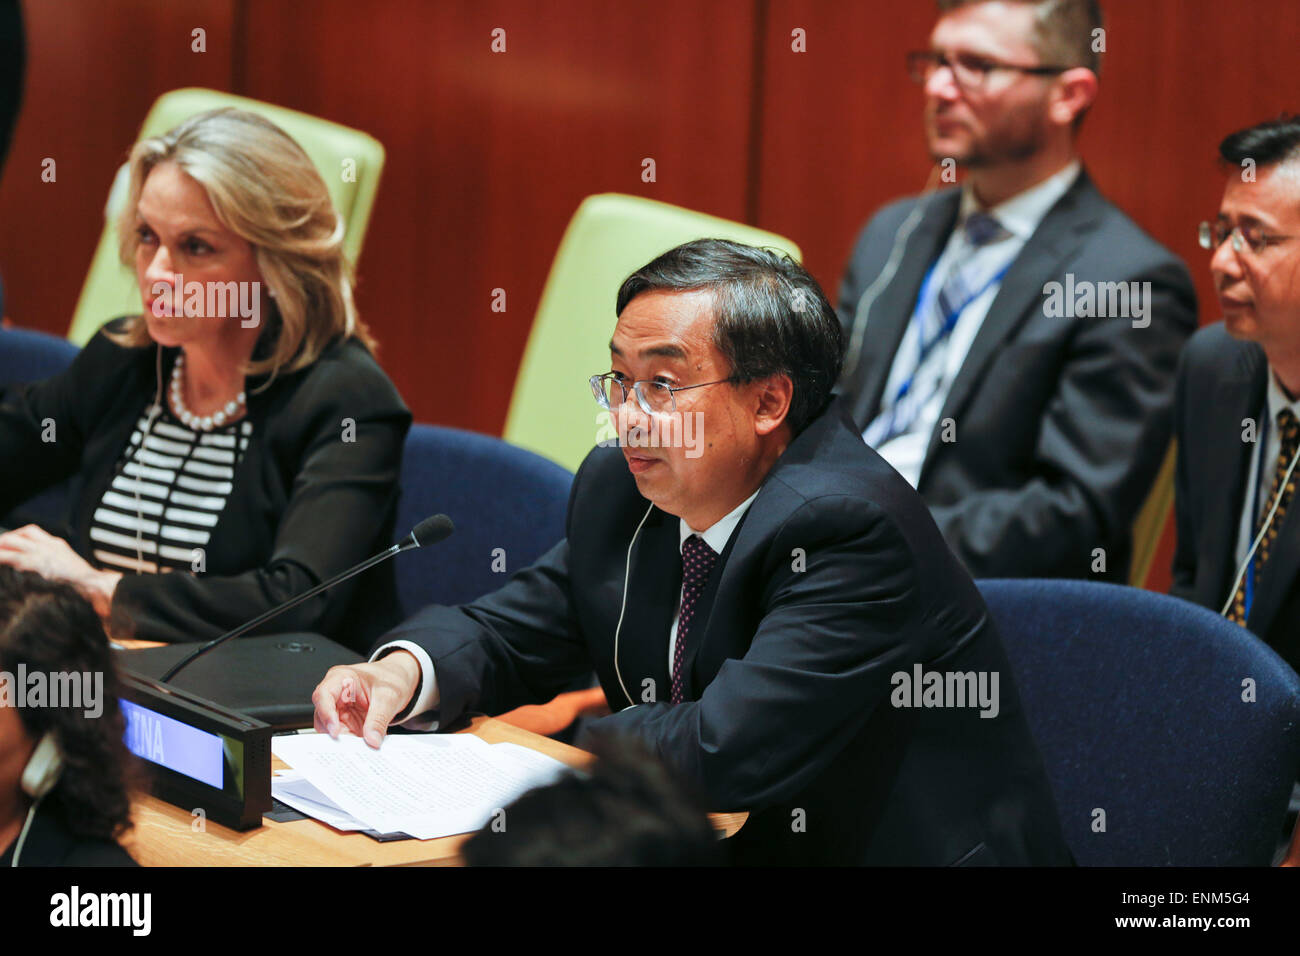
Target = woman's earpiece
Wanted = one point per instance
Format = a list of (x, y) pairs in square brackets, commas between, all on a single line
[(39, 777), (43, 770)]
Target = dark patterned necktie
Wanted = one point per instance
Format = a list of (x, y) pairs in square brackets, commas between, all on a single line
[(1288, 430), (698, 560)]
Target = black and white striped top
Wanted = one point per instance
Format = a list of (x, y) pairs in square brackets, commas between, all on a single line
[(167, 496)]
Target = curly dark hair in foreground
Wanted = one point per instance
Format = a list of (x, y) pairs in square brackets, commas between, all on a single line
[(629, 811), (50, 628)]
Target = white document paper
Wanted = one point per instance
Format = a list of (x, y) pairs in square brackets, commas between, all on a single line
[(289, 786), (426, 785)]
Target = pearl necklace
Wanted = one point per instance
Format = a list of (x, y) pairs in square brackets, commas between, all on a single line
[(207, 422)]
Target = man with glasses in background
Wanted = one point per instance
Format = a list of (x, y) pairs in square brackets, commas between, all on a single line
[(1237, 412), (762, 616), (1013, 342)]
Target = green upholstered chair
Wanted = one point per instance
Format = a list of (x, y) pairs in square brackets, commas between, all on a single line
[(110, 289), (552, 412)]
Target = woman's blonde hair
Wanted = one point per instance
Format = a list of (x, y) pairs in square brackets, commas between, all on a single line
[(265, 189)]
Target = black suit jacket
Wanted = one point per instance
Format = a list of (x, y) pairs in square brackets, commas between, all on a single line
[(1060, 423), (1221, 383), (306, 503), (835, 579), (51, 842)]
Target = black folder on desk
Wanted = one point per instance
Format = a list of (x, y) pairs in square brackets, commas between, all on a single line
[(269, 677)]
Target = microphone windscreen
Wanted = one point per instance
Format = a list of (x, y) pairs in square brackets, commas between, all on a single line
[(432, 530)]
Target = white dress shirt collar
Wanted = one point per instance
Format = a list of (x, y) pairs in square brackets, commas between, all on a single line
[(1277, 400), (1022, 213), (719, 533)]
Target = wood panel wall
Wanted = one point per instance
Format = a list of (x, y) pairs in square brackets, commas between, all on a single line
[(490, 153)]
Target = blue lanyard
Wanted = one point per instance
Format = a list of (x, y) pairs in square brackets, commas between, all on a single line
[(1255, 516), (925, 348)]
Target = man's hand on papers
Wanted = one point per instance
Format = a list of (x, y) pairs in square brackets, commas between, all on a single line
[(364, 698)]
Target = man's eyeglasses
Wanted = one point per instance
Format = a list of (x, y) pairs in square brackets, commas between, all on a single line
[(655, 398), (1211, 235), (970, 70)]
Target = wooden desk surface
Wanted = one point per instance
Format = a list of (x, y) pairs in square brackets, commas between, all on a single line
[(165, 835)]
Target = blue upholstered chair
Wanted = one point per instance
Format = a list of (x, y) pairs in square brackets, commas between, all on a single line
[(1136, 701), (498, 495), (27, 356)]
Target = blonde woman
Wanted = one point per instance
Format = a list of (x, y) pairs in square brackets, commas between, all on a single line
[(237, 442)]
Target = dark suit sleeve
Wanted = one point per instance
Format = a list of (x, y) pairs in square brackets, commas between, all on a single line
[(1103, 436), (819, 666), (518, 645), (340, 494)]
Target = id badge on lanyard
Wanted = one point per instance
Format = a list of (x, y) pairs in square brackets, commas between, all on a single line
[(924, 348)]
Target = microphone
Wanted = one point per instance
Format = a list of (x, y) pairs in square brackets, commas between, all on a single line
[(428, 532)]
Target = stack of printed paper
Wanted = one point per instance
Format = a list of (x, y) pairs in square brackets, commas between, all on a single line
[(425, 785)]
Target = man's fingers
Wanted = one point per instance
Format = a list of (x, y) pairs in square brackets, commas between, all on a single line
[(325, 698), (364, 698), (353, 717), (384, 705)]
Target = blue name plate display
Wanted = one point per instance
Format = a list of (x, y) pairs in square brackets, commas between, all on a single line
[(202, 757), (171, 743)]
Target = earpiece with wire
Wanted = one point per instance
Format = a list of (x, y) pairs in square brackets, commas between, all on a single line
[(627, 571), (1263, 529), (868, 298), (155, 409), (39, 777)]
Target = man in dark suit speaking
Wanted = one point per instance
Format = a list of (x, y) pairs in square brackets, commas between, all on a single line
[(1013, 341), (1238, 400), (771, 611)]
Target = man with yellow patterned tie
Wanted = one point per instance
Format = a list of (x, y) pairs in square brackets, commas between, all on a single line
[(1237, 410)]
